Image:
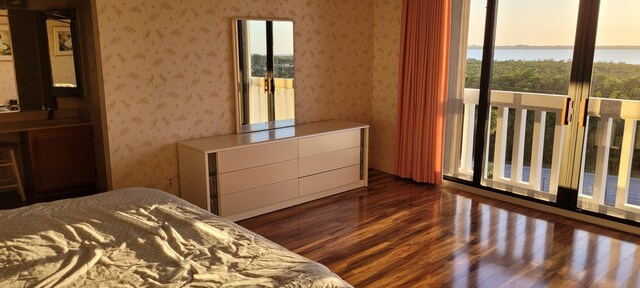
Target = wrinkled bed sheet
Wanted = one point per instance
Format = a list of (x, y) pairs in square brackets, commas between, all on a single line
[(138, 237)]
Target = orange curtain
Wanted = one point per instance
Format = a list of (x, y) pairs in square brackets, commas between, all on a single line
[(422, 89)]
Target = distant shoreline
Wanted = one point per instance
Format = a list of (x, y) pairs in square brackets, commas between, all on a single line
[(528, 47)]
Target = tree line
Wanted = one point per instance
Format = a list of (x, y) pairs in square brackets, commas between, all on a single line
[(282, 66), (609, 80)]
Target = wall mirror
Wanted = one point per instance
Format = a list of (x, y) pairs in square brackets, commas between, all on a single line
[(63, 59), (264, 74), (38, 60)]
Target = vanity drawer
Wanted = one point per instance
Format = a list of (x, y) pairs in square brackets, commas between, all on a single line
[(259, 176), (329, 161), (327, 180), (258, 197), (238, 159), (328, 143)]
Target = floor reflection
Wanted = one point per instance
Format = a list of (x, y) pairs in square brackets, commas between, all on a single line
[(396, 233)]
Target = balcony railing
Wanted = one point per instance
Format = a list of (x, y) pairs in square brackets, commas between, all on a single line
[(536, 180), (610, 110), (258, 102)]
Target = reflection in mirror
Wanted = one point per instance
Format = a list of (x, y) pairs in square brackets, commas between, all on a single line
[(39, 60), (9, 90), (63, 73), (264, 74)]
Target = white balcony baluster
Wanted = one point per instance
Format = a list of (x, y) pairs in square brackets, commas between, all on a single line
[(500, 147), (537, 147), (558, 137), (518, 145), (624, 173), (466, 160), (602, 159)]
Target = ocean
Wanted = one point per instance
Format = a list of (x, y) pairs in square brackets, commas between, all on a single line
[(629, 56)]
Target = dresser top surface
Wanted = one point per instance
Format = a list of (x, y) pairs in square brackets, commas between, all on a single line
[(225, 142)]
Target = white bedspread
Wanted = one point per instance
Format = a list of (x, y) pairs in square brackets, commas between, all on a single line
[(139, 237)]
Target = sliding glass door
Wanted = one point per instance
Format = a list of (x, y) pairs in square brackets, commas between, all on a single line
[(531, 99), (529, 90)]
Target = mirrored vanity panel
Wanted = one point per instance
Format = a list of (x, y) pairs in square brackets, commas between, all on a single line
[(63, 72), (239, 176), (264, 74), (37, 61)]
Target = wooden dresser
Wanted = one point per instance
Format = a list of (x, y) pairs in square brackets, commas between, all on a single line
[(243, 175)]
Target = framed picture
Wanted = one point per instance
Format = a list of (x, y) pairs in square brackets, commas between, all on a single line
[(62, 43), (6, 47)]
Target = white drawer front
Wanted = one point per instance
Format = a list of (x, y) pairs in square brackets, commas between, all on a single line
[(259, 197), (259, 176), (324, 181), (328, 143), (238, 159), (329, 161)]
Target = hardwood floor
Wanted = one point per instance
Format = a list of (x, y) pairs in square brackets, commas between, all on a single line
[(397, 233)]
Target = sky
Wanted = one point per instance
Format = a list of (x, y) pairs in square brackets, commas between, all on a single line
[(553, 22), (283, 37)]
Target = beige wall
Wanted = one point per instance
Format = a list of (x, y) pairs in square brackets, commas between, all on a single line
[(167, 71), (385, 76)]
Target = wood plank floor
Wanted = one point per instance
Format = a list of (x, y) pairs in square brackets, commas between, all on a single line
[(397, 233)]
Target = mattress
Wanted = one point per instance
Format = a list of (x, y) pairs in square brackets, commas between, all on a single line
[(138, 237)]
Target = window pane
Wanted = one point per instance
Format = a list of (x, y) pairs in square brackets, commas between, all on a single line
[(611, 170), (466, 57), (529, 84)]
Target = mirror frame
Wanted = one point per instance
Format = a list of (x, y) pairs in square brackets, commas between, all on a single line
[(240, 128)]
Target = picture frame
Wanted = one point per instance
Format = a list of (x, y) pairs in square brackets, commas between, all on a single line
[(6, 46), (62, 41)]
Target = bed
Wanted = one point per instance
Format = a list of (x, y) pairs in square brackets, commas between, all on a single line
[(142, 237)]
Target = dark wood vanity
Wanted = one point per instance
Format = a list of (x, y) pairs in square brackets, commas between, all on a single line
[(57, 156), (59, 160), (59, 128)]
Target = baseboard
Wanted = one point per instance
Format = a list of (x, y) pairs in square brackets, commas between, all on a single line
[(545, 208)]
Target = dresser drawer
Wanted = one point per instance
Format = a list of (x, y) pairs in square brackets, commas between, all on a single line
[(327, 180), (329, 161), (243, 158), (258, 197), (259, 176), (328, 143)]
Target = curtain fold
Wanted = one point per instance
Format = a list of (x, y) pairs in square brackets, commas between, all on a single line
[(422, 89)]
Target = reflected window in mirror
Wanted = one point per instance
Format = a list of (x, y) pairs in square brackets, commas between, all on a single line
[(9, 91), (264, 73)]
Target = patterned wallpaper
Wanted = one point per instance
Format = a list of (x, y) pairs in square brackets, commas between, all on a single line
[(168, 73), (7, 72), (385, 76)]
